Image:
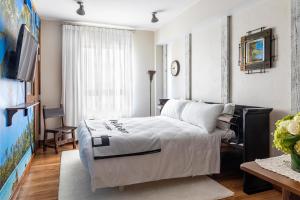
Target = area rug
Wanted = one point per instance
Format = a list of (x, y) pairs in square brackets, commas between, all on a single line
[(74, 184)]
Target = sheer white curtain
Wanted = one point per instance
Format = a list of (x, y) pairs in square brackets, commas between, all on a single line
[(96, 73)]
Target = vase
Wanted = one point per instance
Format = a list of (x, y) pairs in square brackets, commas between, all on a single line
[(295, 162)]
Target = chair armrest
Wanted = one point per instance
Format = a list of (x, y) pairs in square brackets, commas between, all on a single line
[(71, 127), (51, 130)]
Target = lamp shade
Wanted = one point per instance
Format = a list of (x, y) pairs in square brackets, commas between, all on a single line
[(151, 74)]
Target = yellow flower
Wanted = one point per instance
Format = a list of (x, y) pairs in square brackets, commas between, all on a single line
[(294, 127), (284, 125), (297, 147), (297, 118)]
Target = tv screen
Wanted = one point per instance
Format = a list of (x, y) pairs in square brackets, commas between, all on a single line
[(22, 65)]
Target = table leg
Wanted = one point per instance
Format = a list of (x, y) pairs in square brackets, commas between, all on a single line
[(287, 195)]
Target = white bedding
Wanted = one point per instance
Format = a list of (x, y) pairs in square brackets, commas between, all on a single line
[(121, 138), (186, 151)]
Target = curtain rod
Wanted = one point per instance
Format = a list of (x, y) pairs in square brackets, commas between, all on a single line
[(98, 25)]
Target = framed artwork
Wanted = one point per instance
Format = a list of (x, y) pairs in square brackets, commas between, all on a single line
[(256, 50)]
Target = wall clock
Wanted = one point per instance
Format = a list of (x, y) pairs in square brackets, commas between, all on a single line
[(175, 68)]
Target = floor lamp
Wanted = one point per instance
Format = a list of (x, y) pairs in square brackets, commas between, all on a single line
[(151, 74)]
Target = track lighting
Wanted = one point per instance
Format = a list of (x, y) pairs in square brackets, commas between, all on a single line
[(154, 18), (80, 10)]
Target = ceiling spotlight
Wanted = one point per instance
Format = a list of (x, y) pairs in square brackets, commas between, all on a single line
[(80, 10), (154, 18)]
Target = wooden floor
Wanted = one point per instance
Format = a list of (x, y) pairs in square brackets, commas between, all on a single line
[(42, 181)]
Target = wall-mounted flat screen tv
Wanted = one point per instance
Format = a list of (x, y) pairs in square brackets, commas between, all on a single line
[(23, 61)]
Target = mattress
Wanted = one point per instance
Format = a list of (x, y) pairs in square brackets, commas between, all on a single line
[(186, 150)]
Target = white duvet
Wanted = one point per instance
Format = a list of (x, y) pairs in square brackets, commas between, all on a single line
[(186, 151)]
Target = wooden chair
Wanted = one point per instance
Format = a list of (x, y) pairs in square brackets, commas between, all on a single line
[(59, 132)]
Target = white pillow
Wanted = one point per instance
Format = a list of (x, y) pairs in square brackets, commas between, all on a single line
[(229, 109), (226, 116), (202, 115), (173, 108)]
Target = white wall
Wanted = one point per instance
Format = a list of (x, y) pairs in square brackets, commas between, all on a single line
[(271, 89), (143, 61), (176, 84), (51, 40), (51, 50), (206, 62), (195, 16)]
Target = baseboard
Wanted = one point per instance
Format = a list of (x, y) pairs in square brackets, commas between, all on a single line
[(22, 179)]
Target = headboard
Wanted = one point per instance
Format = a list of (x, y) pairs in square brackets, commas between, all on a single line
[(252, 125), (248, 116)]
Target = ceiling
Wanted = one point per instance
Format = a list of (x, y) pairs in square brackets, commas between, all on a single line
[(132, 13)]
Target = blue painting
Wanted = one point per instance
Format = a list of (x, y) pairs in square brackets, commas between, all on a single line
[(255, 51), (16, 140)]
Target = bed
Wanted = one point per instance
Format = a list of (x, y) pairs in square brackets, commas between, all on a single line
[(186, 150)]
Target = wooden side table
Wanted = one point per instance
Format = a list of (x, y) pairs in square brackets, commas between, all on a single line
[(290, 188)]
